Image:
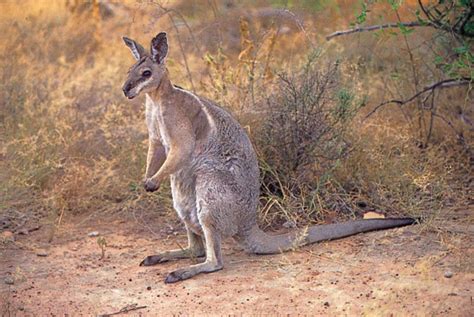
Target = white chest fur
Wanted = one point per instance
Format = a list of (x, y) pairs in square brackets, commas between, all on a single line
[(155, 123)]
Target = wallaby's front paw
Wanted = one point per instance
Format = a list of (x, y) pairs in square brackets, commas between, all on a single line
[(153, 259), (151, 185)]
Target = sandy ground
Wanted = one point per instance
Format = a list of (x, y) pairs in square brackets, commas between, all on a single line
[(400, 272)]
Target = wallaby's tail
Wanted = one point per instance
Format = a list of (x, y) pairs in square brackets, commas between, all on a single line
[(262, 243)]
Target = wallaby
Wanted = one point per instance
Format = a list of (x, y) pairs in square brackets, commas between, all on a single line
[(213, 171)]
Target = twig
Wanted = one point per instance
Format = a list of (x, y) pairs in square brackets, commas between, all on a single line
[(300, 26), (190, 77), (181, 17), (440, 84), (375, 28), (416, 82), (125, 309), (173, 22), (432, 115), (438, 23), (450, 124)]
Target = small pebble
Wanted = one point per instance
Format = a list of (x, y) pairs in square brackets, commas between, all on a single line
[(9, 280), (93, 234), (448, 274), (23, 232), (41, 253), (8, 236)]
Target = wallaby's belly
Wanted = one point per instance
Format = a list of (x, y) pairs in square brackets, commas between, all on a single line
[(223, 186), (226, 176), (184, 199)]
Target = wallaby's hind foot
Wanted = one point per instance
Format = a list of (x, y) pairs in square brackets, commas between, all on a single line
[(153, 259), (188, 272), (170, 256), (195, 249), (213, 258)]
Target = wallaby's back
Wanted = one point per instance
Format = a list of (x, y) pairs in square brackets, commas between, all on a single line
[(229, 152), (232, 150)]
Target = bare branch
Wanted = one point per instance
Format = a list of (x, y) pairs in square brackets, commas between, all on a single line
[(170, 13), (181, 17), (434, 22), (301, 26), (447, 83), (188, 71), (375, 28)]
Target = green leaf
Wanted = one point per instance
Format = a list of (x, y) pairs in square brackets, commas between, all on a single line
[(133, 187), (395, 4), (405, 30), (344, 106), (461, 49), (362, 17), (395, 75), (438, 60)]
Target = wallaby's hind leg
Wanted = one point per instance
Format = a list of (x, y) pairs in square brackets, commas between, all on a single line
[(195, 249), (213, 258)]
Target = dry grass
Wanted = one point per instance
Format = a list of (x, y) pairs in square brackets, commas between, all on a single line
[(71, 144)]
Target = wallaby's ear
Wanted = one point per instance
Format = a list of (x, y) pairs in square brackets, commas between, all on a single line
[(159, 47), (137, 50)]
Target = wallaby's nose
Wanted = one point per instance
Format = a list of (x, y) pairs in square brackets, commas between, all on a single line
[(126, 91)]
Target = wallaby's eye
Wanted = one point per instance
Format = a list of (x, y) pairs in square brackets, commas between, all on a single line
[(146, 73)]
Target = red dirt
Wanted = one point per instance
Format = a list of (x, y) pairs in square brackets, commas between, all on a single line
[(397, 272)]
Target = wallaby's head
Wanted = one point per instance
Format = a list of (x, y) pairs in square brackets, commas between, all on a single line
[(146, 74)]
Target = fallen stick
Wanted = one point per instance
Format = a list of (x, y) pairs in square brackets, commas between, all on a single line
[(125, 309)]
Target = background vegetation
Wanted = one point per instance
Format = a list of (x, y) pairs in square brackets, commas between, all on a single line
[(372, 120)]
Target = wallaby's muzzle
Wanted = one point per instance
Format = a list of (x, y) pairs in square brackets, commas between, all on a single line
[(126, 91)]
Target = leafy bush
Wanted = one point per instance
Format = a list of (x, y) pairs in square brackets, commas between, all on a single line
[(302, 138)]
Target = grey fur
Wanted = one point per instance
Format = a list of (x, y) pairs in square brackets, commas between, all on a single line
[(214, 176)]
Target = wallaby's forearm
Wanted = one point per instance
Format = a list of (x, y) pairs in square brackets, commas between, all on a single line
[(181, 146), (155, 158), (177, 158)]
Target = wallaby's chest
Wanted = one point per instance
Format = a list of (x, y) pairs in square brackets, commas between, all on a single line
[(155, 123)]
